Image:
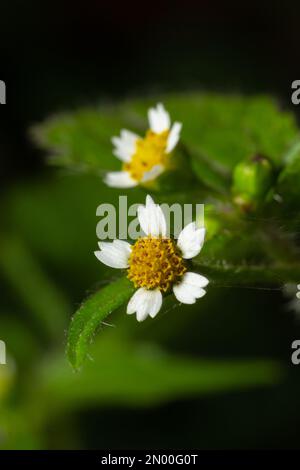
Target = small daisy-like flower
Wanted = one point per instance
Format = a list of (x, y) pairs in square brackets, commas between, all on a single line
[(144, 158), (157, 264)]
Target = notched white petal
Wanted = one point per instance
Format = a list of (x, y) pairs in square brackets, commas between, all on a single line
[(152, 219), (159, 119), (190, 288), (190, 240), (145, 303), (173, 136), (195, 279), (114, 254), (119, 179)]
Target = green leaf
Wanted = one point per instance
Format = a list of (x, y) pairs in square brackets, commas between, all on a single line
[(221, 130), (82, 140), (90, 315), (208, 174)]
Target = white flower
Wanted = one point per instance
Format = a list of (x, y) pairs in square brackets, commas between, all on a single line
[(155, 263), (298, 293), (144, 159)]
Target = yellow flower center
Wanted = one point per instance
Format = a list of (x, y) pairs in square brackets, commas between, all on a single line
[(155, 263), (150, 151)]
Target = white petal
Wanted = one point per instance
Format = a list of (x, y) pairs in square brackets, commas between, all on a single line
[(173, 137), (129, 136), (125, 145), (122, 151), (123, 154), (115, 254), (152, 219), (298, 295), (190, 288), (119, 179), (150, 175), (190, 240), (145, 302), (159, 119)]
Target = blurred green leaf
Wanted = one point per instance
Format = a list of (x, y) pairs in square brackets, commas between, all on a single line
[(90, 315), (218, 132), (56, 219), (209, 174), (221, 130), (81, 140), (134, 374), (124, 373), (17, 333), (40, 295)]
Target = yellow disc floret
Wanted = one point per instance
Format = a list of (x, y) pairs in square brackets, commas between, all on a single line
[(155, 263), (150, 151)]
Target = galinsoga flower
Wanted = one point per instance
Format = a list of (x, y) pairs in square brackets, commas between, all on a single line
[(144, 158), (157, 264)]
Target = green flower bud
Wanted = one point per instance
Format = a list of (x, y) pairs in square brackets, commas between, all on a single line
[(252, 181)]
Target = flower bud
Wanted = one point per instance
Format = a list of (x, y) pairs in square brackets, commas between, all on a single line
[(252, 181)]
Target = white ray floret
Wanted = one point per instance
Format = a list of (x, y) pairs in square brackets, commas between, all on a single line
[(145, 302), (125, 145), (114, 254), (190, 240), (152, 219), (153, 173), (190, 288), (173, 136), (119, 179), (159, 119)]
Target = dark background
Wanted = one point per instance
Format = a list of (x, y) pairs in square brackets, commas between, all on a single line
[(56, 56)]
